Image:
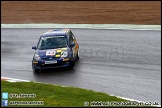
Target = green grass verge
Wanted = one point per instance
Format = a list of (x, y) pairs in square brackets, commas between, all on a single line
[(55, 95)]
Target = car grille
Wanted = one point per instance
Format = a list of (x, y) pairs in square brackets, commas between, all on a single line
[(51, 65)]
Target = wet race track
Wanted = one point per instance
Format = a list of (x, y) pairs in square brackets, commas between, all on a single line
[(125, 63)]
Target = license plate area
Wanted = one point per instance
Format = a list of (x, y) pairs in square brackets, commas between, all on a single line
[(50, 62)]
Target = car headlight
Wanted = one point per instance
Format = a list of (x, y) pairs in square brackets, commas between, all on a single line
[(64, 54), (36, 57)]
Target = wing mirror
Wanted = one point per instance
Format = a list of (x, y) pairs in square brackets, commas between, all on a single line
[(72, 44), (34, 47)]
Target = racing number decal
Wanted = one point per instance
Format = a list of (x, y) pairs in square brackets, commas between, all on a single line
[(51, 52)]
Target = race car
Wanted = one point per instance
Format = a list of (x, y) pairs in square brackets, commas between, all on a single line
[(55, 49)]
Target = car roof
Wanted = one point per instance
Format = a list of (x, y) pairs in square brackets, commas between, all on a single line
[(56, 32)]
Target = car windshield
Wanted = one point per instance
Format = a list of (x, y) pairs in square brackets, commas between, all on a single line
[(52, 42)]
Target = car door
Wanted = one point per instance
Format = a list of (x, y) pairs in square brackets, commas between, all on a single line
[(71, 40)]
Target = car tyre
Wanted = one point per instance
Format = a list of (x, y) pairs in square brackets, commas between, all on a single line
[(72, 64)]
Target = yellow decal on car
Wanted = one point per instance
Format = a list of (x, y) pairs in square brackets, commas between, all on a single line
[(58, 50), (64, 48), (57, 55)]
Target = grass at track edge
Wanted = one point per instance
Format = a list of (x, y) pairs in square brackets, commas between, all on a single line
[(56, 95)]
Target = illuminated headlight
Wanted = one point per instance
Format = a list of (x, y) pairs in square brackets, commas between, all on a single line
[(36, 57), (64, 54)]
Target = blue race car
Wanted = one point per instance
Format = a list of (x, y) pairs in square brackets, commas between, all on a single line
[(56, 48)]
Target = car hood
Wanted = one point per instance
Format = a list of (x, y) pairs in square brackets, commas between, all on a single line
[(44, 53)]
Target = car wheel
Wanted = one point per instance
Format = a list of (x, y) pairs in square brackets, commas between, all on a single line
[(72, 64), (35, 70)]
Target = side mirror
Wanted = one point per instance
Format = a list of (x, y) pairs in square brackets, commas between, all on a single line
[(72, 44), (34, 47)]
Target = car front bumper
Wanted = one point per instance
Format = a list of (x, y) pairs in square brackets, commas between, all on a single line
[(61, 62)]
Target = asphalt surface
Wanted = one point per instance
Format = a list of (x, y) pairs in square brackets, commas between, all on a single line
[(125, 63)]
